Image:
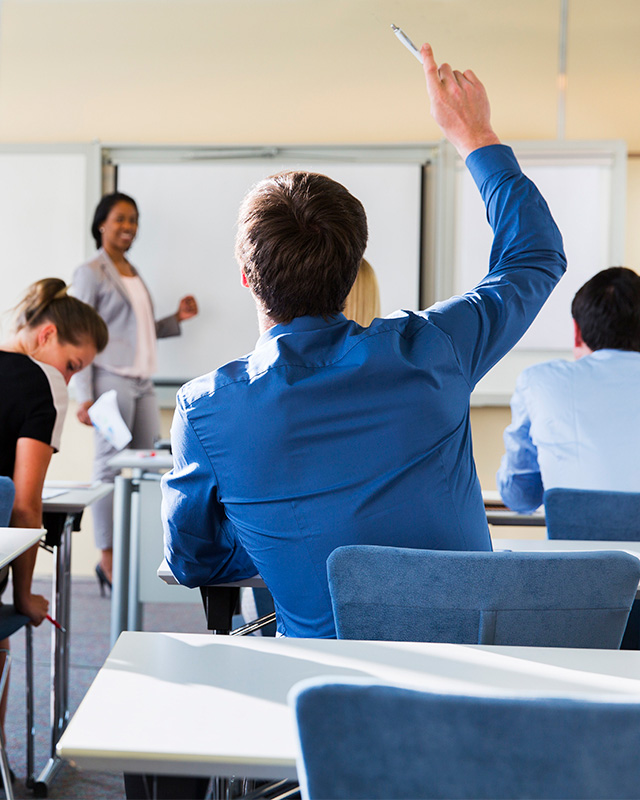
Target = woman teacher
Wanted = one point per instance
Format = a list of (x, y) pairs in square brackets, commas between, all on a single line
[(112, 285)]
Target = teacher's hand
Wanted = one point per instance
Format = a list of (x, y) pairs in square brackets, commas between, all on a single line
[(83, 412), (187, 308)]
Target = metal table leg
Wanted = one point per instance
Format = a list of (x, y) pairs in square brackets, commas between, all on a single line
[(61, 611), (134, 606), (124, 488)]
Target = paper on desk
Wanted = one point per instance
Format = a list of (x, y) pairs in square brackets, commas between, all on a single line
[(105, 416), (48, 493)]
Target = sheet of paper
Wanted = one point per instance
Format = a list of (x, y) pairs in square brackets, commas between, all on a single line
[(48, 493), (105, 416)]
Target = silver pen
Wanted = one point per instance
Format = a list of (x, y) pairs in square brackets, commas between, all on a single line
[(406, 41)]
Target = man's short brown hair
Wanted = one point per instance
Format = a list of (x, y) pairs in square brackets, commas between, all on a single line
[(300, 240)]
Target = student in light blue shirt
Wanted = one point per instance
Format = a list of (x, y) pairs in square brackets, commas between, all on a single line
[(330, 433), (577, 424)]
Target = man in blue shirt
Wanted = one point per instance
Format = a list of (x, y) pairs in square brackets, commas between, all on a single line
[(329, 433), (577, 424)]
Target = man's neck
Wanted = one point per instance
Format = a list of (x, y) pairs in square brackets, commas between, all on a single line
[(265, 322)]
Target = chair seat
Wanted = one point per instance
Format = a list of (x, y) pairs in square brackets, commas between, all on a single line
[(11, 621)]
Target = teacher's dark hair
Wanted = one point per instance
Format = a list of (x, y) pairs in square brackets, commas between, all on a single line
[(47, 300), (300, 240), (607, 310), (102, 212)]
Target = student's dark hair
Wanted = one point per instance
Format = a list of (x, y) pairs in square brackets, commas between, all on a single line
[(300, 240), (102, 212), (607, 310), (76, 322)]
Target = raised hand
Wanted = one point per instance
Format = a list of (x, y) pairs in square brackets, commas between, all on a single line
[(459, 104), (187, 308)]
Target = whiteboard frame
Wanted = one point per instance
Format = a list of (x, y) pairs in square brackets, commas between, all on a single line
[(545, 153)]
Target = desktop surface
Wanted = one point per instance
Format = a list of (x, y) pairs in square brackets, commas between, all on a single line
[(196, 704)]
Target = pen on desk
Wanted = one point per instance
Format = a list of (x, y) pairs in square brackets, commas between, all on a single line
[(406, 41), (56, 623)]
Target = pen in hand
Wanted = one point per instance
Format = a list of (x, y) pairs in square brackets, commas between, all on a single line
[(406, 41), (56, 623)]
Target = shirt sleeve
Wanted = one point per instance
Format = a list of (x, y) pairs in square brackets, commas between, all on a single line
[(43, 404), (200, 543), (519, 479), (527, 260)]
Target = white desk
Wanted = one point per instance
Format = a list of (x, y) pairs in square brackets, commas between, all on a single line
[(498, 514), (165, 575), (179, 703), (65, 507), (564, 545), (14, 542), (144, 465)]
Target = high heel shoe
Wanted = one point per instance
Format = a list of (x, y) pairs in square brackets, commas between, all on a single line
[(102, 580)]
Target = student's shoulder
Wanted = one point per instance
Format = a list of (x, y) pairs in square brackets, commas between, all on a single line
[(546, 373), (34, 378), (203, 388), (19, 366)]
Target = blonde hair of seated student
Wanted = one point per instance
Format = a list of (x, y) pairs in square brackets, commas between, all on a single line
[(363, 301)]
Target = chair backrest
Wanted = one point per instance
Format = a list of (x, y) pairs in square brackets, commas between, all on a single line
[(585, 514), (7, 494), (527, 599), (359, 740)]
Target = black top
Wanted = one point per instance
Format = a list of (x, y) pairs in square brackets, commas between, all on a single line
[(33, 403)]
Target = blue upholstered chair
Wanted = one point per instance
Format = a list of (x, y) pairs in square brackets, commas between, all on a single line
[(534, 599), (361, 740), (10, 622), (586, 514)]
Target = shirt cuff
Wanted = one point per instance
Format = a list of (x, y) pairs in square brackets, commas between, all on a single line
[(489, 160)]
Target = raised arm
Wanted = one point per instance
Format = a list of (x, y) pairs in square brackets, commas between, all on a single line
[(527, 257)]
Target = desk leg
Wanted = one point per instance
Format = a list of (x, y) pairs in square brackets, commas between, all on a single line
[(61, 611), (123, 490), (134, 607), (220, 603)]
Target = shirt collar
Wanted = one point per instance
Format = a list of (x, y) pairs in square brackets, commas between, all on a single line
[(301, 325), (608, 352)]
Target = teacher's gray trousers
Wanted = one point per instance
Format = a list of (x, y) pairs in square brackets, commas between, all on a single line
[(139, 408)]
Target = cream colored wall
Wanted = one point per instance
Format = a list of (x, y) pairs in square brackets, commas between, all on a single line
[(306, 71)]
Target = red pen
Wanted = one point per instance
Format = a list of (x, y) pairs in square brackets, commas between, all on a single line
[(56, 623)]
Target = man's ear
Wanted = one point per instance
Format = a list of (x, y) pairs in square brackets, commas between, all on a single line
[(579, 347), (577, 335)]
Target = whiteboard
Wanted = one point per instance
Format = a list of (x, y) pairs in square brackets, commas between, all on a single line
[(583, 185), (186, 238), (46, 194)]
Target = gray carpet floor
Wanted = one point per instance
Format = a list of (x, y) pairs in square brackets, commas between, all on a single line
[(89, 647)]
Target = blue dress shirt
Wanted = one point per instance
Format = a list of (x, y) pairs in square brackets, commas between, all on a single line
[(330, 434), (574, 424)]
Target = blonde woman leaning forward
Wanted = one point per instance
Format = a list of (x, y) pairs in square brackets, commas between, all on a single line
[(54, 336)]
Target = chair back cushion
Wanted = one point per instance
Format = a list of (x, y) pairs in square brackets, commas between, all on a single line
[(582, 514), (368, 741), (7, 494), (527, 599)]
